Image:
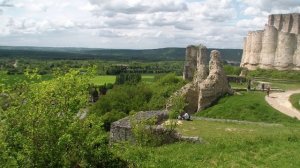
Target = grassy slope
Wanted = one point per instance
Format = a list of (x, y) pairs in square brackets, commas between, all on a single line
[(249, 106), (226, 145), (295, 100)]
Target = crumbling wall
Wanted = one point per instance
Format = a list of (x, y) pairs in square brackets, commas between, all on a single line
[(208, 83), (215, 85), (121, 130)]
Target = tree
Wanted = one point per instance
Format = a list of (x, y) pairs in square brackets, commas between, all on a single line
[(43, 126)]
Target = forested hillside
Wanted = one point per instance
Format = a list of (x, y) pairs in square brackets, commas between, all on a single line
[(166, 54)]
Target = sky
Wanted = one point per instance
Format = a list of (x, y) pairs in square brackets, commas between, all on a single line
[(135, 24)]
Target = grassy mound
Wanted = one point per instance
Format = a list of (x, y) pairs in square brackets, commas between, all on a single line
[(275, 74), (249, 106), (295, 100)]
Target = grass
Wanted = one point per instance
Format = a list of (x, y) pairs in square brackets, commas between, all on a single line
[(249, 106), (9, 80), (225, 145), (238, 85), (286, 86), (295, 100), (102, 79)]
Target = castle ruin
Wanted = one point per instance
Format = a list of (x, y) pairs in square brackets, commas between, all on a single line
[(275, 47), (208, 81)]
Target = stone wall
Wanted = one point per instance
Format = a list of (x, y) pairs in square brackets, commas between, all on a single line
[(121, 129), (275, 47)]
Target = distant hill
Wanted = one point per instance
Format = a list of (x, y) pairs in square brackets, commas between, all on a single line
[(167, 54)]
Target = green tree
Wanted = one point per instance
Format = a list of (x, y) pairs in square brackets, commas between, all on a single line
[(43, 127)]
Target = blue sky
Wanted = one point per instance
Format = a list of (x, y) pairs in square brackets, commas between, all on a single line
[(134, 24)]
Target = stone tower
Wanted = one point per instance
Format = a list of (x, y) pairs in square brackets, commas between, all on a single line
[(208, 81)]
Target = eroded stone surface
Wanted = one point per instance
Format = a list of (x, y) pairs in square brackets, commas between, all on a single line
[(121, 129), (275, 47), (215, 85), (209, 81)]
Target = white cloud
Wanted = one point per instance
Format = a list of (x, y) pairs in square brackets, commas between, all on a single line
[(135, 23), (112, 7), (6, 3)]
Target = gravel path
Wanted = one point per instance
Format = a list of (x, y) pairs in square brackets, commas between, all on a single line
[(280, 101)]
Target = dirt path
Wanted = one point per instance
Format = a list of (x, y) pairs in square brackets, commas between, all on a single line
[(280, 101)]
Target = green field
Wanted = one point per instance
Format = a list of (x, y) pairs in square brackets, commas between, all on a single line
[(101, 80), (295, 100), (10, 80)]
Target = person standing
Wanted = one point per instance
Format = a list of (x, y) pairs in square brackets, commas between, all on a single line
[(268, 91)]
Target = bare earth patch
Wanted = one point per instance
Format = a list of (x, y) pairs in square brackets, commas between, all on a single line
[(280, 101)]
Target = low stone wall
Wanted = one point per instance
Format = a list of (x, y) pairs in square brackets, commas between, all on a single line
[(121, 129)]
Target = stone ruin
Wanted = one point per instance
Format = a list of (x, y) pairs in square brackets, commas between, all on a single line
[(121, 130), (275, 47), (208, 81)]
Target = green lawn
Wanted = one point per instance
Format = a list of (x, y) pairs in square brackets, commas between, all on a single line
[(286, 86), (249, 106), (295, 100), (102, 79), (225, 145)]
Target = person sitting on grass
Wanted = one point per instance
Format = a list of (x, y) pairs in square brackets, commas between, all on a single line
[(186, 116), (179, 117)]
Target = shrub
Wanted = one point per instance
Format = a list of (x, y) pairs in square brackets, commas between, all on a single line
[(128, 78), (147, 133), (177, 106), (111, 117)]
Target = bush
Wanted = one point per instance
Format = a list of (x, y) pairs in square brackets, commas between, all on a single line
[(40, 127), (111, 117), (177, 106), (128, 78), (146, 132), (123, 98), (232, 70)]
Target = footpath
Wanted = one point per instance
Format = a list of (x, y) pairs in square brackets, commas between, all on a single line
[(280, 101)]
